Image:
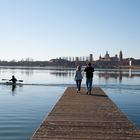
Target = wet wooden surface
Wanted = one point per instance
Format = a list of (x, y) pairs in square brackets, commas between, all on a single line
[(78, 116)]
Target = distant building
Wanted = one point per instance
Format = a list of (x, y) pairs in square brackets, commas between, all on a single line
[(108, 58), (107, 61), (120, 56), (107, 55), (90, 57), (130, 62)]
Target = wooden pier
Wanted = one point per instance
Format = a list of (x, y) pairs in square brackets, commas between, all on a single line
[(78, 116)]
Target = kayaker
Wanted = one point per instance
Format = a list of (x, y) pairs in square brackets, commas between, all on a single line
[(14, 80)]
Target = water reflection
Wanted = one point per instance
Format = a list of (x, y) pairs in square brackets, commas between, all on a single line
[(13, 70), (119, 74), (67, 74), (27, 72), (13, 89), (31, 70), (130, 73), (106, 74)]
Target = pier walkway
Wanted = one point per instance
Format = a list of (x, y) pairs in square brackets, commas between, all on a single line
[(78, 116)]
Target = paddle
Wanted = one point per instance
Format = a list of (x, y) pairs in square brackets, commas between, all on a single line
[(17, 80)]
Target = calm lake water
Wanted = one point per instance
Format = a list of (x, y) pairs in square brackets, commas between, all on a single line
[(23, 108)]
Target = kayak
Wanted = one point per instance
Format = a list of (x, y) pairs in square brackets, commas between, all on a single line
[(10, 83), (20, 84)]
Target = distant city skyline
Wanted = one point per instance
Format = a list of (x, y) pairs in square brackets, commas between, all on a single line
[(48, 29)]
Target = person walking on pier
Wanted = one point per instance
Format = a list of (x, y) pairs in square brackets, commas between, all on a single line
[(89, 77), (78, 78)]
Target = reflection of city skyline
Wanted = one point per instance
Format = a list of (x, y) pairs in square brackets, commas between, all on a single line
[(120, 74), (117, 74), (28, 72), (69, 73), (13, 71), (63, 73)]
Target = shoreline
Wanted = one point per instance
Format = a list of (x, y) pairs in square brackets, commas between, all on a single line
[(66, 67)]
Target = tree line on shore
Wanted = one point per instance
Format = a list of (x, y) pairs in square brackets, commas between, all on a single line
[(67, 63)]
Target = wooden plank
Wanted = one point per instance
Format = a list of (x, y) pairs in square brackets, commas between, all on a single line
[(78, 116)]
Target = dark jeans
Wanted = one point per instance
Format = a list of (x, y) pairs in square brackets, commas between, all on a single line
[(78, 84), (89, 84)]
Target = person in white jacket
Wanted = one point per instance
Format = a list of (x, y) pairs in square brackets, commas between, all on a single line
[(78, 78)]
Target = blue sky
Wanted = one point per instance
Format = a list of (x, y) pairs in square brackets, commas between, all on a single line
[(46, 29)]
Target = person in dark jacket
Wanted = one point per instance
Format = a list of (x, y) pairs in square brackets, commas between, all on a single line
[(89, 77)]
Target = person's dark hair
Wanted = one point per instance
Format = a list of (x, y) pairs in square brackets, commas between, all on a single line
[(89, 64)]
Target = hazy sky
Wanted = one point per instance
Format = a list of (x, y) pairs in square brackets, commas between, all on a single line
[(45, 29)]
